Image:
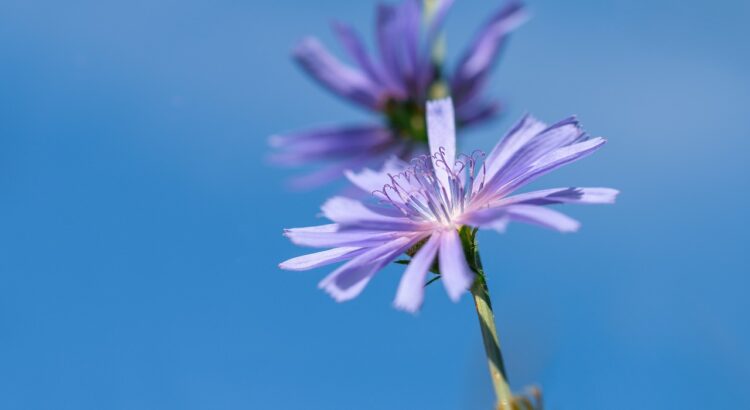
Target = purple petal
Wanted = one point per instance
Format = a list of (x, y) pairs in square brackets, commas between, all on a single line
[(332, 236), (306, 146), (348, 281), (388, 34), (521, 133), (476, 63), (498, 217), (410, 292), (411, 19), (550, 162), (350, 212), (454, 270), (317, 259), (539, 215), (499, 224), (563, 196), (356, 49), (561, 134), (351, 84), (441, 130)]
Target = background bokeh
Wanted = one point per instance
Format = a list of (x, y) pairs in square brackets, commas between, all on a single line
[(140, 227)]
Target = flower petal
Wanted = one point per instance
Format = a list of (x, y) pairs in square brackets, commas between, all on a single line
[(317, 259), (348, 281), (351, 212), (525, 129), (323, 143), (410, 292), (498, 217), (411, 19), (331, 236), (454, 270), (546, 217), (356, 49), (388, 34), (337, 77), (474, 67), (550, 162), (561, 134), (563, 196), (441, 129)]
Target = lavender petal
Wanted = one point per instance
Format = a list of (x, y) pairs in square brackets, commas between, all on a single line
[(563, 196), (475, 65), (348, 281), (388, 33), (342, 80), (454, 270), (498, 217), (350, 212), (521, 133), (410, 294), (317, 144), (332, 236), (318, 259), (441, 127), (550, 162), (356, 49)]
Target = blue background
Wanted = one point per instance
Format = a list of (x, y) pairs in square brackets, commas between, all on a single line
[(140, 227)]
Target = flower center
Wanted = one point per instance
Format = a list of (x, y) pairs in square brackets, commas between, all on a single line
[(421, 195), (407, 119)]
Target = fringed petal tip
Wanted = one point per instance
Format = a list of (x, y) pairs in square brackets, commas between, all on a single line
[(599, 195), (571, 226), (334, 292), (304, 46), (318, 259), (515, 13), (571, 120), (275, 141), (407, 306), (329, 286)]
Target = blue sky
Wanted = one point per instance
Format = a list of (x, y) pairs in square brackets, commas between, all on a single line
[(141, 225)]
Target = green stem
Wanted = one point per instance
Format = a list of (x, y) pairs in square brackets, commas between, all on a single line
[(491, 344), (483, 305)]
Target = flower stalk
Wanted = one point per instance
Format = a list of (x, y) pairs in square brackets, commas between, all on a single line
[(483, 304), (492, 344), (480, 292)]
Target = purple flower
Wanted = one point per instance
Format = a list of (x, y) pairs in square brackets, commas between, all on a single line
[(426, 204), (394, 83)]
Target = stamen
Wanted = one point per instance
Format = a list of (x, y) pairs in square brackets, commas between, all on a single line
[(432, 199)]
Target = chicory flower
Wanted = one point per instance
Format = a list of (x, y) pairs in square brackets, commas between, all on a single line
[(394, 84), (421, 208)]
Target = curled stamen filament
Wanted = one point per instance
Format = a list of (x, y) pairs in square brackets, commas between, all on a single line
[(420, 195)]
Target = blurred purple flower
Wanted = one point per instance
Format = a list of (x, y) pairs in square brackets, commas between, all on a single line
[(395, 84), (426, 204)]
